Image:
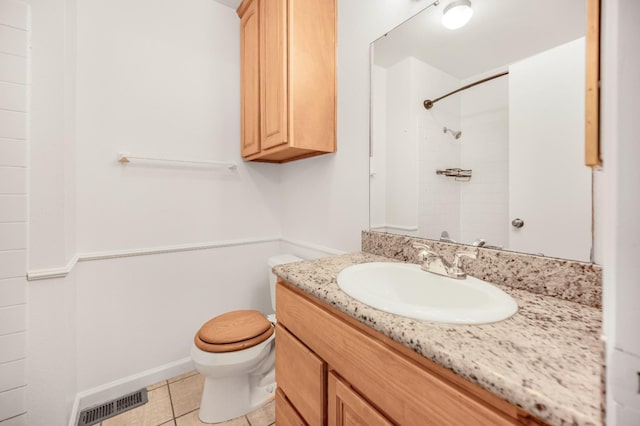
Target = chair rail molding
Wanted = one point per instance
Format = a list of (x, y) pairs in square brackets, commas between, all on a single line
[(61, 272)]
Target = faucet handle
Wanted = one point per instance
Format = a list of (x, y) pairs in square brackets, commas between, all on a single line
[(425, 251), (456, 270), (473, 254), (425, 247)]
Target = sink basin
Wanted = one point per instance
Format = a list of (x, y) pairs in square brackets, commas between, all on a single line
[(405, 289)]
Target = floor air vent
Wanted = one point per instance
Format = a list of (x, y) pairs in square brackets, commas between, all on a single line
[(94, 415)]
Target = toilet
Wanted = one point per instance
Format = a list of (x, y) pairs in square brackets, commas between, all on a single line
[(235, 352)]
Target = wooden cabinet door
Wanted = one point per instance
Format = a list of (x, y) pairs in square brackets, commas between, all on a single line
[(347, 408), (250, 79), (273, 73), (300, 375), (286, 415)]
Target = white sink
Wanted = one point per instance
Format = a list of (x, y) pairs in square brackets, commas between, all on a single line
[(405, 289)]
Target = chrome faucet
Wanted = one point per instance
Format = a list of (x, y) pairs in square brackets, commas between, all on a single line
[(436, 264)]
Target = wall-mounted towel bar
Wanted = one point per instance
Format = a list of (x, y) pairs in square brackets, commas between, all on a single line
[(125, 157), (457, 173)]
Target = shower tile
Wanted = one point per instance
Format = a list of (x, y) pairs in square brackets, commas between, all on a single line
[(186, 394), (263, 416), (156, 412), (191, 419)]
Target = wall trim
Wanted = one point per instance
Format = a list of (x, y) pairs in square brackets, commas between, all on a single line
[(50, 273), (114, 254), (61, 272), (108, 391), (304, 244)]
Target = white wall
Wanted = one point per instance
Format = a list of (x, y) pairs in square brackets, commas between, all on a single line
[(51, 170), (14, 60), (620, 129), (327, 197), (545, 93), (51, 373), (52, 350), (150, 78), (162, 79), (138, 313)]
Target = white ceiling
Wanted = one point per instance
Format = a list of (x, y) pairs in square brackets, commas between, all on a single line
[(499, 33), (231, 3)]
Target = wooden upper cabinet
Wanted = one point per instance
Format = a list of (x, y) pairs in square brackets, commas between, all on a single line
[(250, 87), (273, 78), (296, 79)]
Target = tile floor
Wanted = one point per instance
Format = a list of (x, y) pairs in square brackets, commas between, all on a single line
[(176, 402)]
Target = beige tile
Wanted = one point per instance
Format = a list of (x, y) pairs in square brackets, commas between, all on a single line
[(191, 419), (183, 376), (263, 416), (186, 394), (156, 385), (155, 412), (171, 423)]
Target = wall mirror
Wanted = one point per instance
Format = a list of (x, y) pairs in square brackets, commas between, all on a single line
[(499, 164)]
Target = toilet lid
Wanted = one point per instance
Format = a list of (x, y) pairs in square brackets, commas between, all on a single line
[(233, 331)]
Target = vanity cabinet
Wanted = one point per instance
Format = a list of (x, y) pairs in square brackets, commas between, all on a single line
[(288, 79), (347, 408), (334, 370)]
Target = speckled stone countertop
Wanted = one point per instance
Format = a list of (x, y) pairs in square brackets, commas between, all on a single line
[(546, 358)]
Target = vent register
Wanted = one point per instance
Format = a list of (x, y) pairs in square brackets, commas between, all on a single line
[(98, 413)]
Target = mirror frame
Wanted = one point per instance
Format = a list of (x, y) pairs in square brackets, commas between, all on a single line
[(592, 95)]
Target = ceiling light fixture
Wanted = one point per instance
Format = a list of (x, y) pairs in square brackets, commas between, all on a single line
[(457, 14)]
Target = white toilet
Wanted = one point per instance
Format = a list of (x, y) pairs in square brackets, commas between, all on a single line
[(235, 352)]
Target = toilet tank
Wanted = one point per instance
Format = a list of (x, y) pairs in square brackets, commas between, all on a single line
[(280, 259)]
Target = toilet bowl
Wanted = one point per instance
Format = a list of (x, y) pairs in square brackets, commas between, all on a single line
[(235, 352)]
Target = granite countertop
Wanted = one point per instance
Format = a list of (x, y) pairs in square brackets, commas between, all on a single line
[(545, 359)]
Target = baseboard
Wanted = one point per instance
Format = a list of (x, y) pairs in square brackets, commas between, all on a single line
[(108, 391)]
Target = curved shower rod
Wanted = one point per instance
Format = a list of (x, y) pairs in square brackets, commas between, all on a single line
[(429, 103)]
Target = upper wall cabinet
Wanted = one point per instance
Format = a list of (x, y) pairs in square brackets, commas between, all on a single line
[(288, 79)]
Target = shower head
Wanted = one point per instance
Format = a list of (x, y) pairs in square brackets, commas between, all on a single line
[(454, 133)]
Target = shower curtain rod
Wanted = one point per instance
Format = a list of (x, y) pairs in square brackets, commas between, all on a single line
[(429, 103)]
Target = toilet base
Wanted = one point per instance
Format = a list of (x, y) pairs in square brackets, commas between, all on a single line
[(216, 405)]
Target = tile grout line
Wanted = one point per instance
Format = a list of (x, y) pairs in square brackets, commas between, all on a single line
[(173, 411)]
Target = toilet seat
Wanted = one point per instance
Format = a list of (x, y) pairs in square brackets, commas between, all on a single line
[(233, 331)]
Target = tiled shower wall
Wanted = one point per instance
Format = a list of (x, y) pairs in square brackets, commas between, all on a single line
[(14, 36)]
